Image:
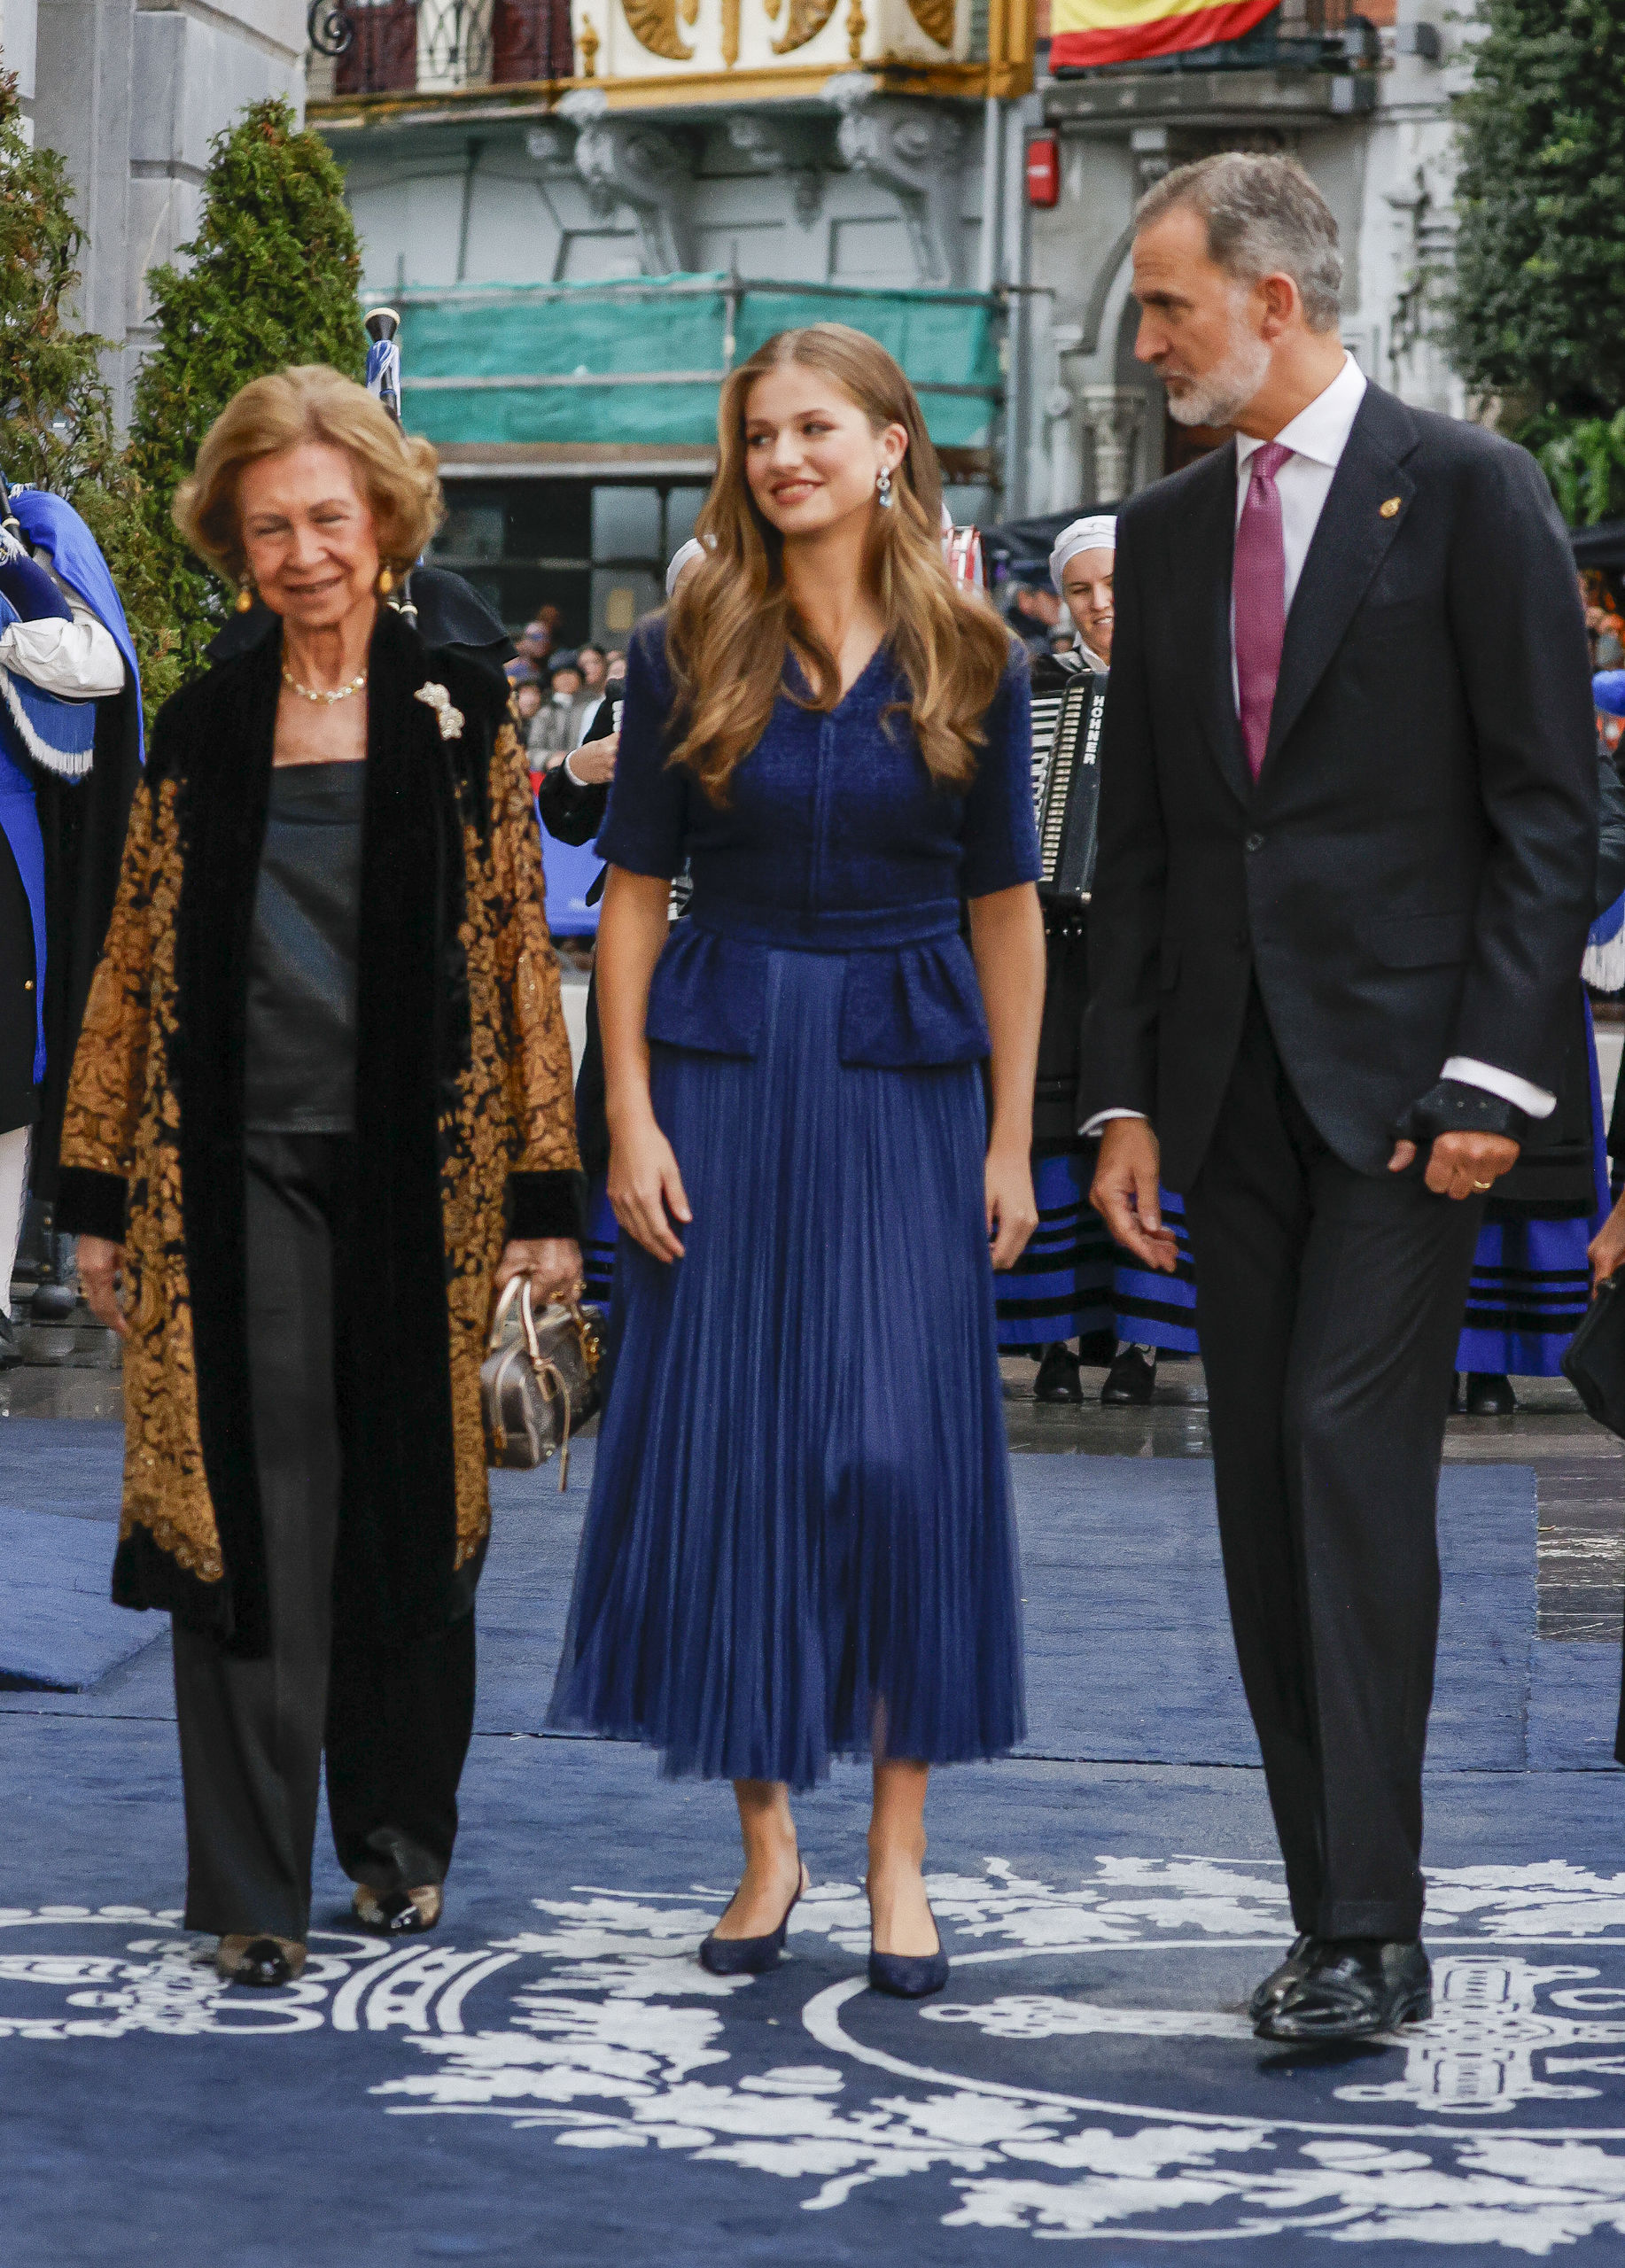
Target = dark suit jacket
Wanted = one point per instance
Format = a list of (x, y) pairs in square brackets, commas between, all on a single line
[(573, 813), (1411, 876)]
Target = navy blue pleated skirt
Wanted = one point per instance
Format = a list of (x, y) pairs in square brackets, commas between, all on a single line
[(799, 1542)]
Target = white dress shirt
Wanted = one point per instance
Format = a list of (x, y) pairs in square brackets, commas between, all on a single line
[(76, 660), (1317, 437)]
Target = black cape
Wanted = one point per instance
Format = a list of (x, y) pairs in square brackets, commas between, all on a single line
[(83, 825)]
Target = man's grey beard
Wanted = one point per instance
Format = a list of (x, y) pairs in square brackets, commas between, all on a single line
[(1219, 397)]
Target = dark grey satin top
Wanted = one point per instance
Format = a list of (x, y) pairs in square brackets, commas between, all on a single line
[(301, 968)]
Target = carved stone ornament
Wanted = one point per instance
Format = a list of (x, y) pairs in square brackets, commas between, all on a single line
[(935, 18), (624, 162), (804, 19), (913, 148), (653, 23), (799, 154)]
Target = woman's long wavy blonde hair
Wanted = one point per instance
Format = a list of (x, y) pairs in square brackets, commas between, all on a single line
[(731, 628)]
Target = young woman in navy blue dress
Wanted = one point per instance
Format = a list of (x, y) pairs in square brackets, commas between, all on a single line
[(799, 1543)]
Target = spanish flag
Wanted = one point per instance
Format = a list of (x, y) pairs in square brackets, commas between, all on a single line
[(1132, 31)]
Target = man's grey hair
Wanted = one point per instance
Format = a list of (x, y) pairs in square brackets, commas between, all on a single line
[(1265, 217)]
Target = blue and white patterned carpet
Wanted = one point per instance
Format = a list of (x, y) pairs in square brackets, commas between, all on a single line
[(552, 2079)]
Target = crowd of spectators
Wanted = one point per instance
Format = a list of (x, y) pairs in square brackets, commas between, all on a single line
[(558, 690)]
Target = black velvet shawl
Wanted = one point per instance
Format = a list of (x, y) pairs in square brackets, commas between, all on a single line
[(396, 1573)]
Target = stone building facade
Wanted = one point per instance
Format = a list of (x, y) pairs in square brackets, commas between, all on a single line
[(1366, 105), (131, 92), (850, 145), (822, 147)]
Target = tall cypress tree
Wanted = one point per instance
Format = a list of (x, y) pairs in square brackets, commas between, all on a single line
[(1539, 305), (273, 278), (56, 409)]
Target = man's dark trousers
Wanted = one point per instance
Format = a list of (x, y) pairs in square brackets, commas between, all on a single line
[(1328, 1305)]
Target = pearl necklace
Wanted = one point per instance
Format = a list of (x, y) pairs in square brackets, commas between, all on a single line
[(304, 692)]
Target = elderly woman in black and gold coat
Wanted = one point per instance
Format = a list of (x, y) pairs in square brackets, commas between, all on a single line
[(321, 1111)]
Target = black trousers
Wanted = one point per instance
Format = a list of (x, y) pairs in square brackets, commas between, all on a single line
[(395, 1721), (1328, 1305)]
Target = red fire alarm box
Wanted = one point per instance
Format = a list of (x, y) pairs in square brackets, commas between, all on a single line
[(1044, 171)]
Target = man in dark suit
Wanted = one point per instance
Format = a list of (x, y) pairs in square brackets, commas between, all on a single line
[(1348, 835)]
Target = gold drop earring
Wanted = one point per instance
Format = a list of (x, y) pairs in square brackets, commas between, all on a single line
[(385, 583), (245, 595)]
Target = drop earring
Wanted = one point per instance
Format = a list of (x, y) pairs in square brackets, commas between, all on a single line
[(385, 583), (245, 595), (883, 488)]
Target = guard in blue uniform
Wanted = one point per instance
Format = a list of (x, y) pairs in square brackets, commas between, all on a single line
[(70, 753)]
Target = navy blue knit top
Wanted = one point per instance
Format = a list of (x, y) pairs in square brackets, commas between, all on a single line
[(835, 840)]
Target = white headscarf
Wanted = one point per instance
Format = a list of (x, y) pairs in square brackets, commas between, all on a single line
[(1098, 532), (693, 549)]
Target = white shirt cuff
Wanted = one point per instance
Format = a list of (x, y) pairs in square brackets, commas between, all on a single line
[(570, 774), (1535, 1102), (76, 660), (1087, 1133)]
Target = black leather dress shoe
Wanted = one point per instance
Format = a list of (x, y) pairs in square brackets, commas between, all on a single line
[(398, 1913), (1058, 1379), (263, 1963), (1489, 1394), (1354, 1988), (1281, 1980), (1132, 1378)]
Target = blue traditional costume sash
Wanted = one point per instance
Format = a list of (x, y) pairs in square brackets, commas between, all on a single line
[(56, 528), (1603, 964), (57, 733), (39, 726)]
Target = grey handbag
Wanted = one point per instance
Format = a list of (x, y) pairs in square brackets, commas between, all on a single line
[(539, 1382)]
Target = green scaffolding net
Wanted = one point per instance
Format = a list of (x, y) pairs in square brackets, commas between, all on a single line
[(641, 363)]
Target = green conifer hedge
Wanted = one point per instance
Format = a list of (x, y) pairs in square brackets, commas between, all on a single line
[(1539, 313), (273, 278)]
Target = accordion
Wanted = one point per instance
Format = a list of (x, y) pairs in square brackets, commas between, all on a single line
[(1066, 778)]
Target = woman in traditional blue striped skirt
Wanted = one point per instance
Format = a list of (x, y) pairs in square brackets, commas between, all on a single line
[(1531, 1280), (800, 1542), (1072, 1284)]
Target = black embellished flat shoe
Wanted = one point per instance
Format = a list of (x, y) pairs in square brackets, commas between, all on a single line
[(751, 1956), (1131, 1379), (1354, 1988), (1058, 1379), (398, 1913), (263, 1963), (1281, 1980), (1489, 1394), (907, 1975)]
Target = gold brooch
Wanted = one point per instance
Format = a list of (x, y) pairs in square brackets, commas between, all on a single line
[(1388, 509), (450, 719)]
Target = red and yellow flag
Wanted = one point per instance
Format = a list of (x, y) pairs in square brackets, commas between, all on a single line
[(1130, 31)]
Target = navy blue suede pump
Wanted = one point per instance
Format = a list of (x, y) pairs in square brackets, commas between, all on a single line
[(905, 1975), (751, 1956)]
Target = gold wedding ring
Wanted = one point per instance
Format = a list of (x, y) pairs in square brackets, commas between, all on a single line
[(1483, 1185)]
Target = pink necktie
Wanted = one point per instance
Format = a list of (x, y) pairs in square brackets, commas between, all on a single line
[(1260, 599)]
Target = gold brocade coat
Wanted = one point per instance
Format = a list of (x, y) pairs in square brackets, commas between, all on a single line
[(464, 1133)]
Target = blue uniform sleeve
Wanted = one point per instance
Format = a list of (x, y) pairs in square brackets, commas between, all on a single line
[(646, 824), (1000, 835)]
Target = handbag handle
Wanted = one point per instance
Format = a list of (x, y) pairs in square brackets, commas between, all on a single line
[(546, 1374), (519, 1287)]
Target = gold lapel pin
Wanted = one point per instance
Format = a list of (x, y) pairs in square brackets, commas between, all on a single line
[(1388, 509)]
